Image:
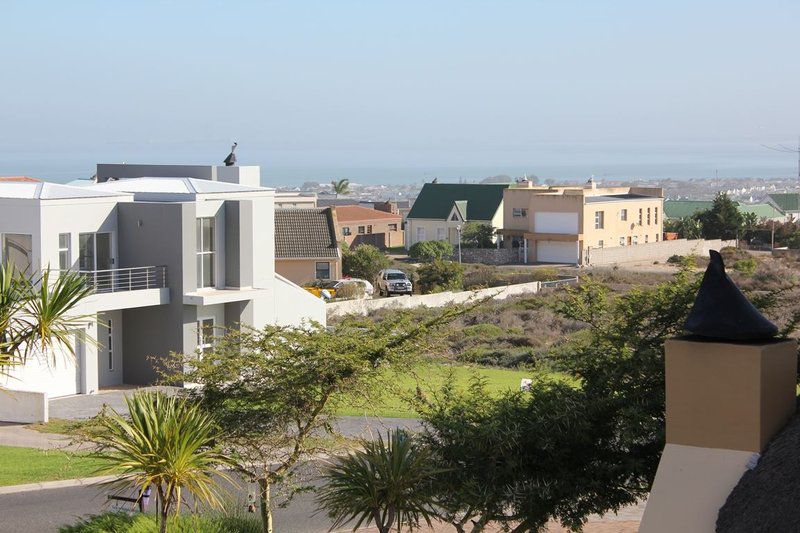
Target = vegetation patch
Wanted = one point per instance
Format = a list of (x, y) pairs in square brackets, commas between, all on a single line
[(19, 466), (119, 522)]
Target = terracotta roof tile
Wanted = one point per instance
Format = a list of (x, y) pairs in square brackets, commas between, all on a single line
[(349, 213), (18, 178)]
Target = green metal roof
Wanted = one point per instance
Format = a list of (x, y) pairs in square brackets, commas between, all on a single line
[(787, 201), (436, 200), (761, 210), (685, 208)]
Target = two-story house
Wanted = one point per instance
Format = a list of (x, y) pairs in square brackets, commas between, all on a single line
[(563, 224), (173, 253)]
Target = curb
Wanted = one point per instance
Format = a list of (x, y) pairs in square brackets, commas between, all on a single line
[(61, 484)]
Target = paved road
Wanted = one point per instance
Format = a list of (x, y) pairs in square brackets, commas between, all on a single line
[(46, 510)]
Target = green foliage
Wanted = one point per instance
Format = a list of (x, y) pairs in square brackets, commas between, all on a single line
[(745, 266), (275, 391), (430, 250), (27, 465), (723, 220), (482, 330), (686, 228), (440, 275), (120, 522), (37, 313), (165, 441), (341, 186), (386, 482), (477, 235), (364, 262)]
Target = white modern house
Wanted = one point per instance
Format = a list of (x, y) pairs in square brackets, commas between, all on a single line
[(172, 252)]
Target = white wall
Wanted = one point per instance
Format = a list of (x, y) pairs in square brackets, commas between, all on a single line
[(58, 374), (24, 407), (562, 223), (294, 305)]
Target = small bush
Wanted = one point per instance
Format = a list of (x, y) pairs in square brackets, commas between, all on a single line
[(745, 266), (350, 291), (430, 250), (482, 330), (439, 276), (121, 522), (364, 262), (675, 259)]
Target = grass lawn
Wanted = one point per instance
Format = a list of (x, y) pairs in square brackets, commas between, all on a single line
[(27, 465), (431, 377)]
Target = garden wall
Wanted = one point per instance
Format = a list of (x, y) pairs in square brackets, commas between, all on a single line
[(365, 307), (490, 256), (23, 406), (654, 251)]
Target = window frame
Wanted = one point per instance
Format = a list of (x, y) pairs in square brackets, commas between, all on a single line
[(599, 220), (623, 215), (65, 263), (110, 343), (201, 252), (202, 346), (346, 231), (4, 254), (317, 269), (519, 212), (362, 230)]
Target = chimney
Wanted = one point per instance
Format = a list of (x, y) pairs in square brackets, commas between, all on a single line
[(730, 387)]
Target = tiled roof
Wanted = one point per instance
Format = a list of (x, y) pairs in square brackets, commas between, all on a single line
[(18, 178), (685, 208), (305, 234), (787, 201), (436, 200), (349, 213)]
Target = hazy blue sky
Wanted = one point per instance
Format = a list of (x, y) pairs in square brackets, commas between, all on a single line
[(394, 84)]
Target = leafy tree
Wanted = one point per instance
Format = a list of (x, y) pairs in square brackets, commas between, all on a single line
[(477, 235), (341, 186), (723, 220), (168, 442), (430, 250), (686, 228), (364, 262), (386, 482), (275, 390), (37, 313), (440, 275)]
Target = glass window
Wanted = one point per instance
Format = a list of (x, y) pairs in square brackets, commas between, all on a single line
[(441, 233), (655, 218), (623, 215), (519, 212), (635, 239), (205, 252), (18, 251), (648, 216), (110, 345), (345, 230), (598, 220), (361, 230), (323, 270), (86, 251), (64, 256), (640, 217), (205, 335), (420, 234), (600, 243), (369, 229), (392, 227), (646, 238)]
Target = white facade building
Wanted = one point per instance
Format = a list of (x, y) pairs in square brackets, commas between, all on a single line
[(173, 253)]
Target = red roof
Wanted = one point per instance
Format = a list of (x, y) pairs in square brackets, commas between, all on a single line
[(351, 213), (18, 178)]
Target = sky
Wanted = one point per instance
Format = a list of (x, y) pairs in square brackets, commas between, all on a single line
[(379, 86)]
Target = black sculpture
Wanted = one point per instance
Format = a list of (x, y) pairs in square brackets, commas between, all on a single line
[(230, 161), (722, 312)]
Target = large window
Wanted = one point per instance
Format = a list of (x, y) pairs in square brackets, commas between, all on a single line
[(205, 252), (64, 252), (599, 221), (205, 334), (18, 251), (441, 234), (519, 212), (94, 251), (323, 270)]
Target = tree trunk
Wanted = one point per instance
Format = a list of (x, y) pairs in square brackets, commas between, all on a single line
[(163, 510), (266, 506)]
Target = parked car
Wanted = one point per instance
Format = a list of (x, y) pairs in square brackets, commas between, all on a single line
[(393, 281), (327, 289), (322, 288)]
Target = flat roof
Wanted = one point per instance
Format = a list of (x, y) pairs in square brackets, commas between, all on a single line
[(43, 190)]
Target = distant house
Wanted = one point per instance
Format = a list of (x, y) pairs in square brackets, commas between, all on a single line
[(788, 202), (306, 248), (295, 199), (441, 208), (763, 211), (677, 209), (23, 179), (359, 225)]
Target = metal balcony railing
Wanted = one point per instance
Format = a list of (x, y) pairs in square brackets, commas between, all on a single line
[(126, 279)]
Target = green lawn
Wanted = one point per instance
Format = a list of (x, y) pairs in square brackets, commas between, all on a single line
[(27, 465), (431, 377)]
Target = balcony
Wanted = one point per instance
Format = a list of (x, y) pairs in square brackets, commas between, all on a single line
[(125, 288)]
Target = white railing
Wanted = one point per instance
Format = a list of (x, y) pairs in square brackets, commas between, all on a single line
[(126, 279)]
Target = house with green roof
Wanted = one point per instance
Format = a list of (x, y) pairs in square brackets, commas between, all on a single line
[(442, 208), (763, 211), (788, 202), (677, 209)]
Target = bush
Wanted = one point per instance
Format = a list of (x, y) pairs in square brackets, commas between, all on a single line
[(430, 250), (477, 235), (364, 262), (439, 275), (745, 266), (350, 291), (121, 522)]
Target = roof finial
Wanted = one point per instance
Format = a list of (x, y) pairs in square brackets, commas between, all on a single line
[(230, 161)]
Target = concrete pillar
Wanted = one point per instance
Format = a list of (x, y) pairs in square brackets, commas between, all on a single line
[(86, 355), (525, 250), (725, 401)]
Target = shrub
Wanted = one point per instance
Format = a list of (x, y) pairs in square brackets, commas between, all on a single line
[(430, 250), (745, 266), (439, 275), (477, 235), (482, 330), (364, 262), (121, 522), (350, 291)]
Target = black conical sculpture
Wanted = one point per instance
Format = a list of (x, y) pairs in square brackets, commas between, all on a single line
[(230, 161), (722, 312)]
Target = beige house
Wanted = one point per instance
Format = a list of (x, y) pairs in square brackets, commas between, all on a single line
[(306, 248), (359, 225), (441, 209), (564, 224), (295, 199)]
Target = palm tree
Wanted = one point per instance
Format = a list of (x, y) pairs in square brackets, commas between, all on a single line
[(37, 313), (167, 441), (341, 187), (387, 482)]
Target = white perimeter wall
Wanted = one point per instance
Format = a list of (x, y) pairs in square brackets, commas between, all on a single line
[(654, 251), (23, 406), (295, 305)]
